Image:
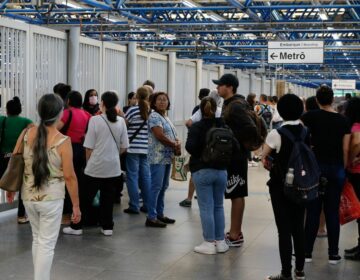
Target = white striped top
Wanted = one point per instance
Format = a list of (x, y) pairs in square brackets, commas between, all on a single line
[(140, 143)]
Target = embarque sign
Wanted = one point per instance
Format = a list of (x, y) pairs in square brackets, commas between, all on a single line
[(295, 52)]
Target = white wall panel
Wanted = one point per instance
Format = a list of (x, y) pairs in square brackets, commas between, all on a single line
[(244, 84), (159, 74), (267, 87), (49, 66), (257, 87), (204, 78), (141, 70), (213, 75), (115, 73), (185, 97), (12, 65), (90, 67)]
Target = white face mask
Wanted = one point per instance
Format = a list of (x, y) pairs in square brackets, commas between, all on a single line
[(93, 100)]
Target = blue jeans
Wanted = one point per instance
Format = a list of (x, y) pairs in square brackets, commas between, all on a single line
[(138, 172), (210, 186), (160, 174), (335, 175)]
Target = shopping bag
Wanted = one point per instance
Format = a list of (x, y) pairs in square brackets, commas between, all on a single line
[(179, 168), (349, 205)]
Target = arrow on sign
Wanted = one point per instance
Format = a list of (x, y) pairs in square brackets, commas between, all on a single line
[(273, 56)]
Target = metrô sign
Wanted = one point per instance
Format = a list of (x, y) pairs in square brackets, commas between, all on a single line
[(295, 52)]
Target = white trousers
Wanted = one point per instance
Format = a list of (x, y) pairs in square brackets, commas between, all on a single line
[(45, 220)]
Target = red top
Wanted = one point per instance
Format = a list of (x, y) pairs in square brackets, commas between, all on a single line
[(78, 124), (354, 168)]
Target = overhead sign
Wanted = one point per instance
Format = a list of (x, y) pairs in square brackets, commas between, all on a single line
[(295, 52), (343, 84)]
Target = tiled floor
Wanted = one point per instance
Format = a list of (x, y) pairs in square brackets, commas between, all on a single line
[(137, 252)]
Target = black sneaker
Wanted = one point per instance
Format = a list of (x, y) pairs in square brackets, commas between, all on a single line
[(155, 223), (299, 275), (278, 277), (353, 257), (352, 251), (143, 209), (185, 203), (166, 220), (334, 259), (131, 211)]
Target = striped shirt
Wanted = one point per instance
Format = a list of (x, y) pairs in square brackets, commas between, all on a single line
[(140, 143)]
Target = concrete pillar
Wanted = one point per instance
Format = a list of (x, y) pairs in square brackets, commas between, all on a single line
[(252, 84), (131, 67), (172, 82), (73, 78), (273, 87), (199, 65), (263, 84), (221, 70)]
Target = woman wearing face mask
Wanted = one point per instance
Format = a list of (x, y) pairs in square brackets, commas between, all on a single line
[(91, 104)]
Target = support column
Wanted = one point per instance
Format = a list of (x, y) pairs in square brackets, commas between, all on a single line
[(73, 78), (273, 87), (263, 85), (252, 84), (221, 70), (172, 82), (199, 65), (131, 67)]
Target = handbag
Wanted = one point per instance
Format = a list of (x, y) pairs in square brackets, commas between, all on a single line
[(179, 168), (12, 179), (349, 209)]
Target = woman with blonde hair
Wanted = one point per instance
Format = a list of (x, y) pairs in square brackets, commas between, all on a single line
[(137, 165)]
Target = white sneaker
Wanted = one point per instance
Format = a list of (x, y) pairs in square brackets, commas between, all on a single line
[(69, 230), (207, 248), (254, 164), (107, 232), (221, 246)]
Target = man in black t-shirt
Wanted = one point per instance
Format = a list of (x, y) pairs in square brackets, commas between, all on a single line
[(330, 137), (237, 183)]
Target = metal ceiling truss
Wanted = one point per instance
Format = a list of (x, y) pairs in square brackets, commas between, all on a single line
[(230, 32)]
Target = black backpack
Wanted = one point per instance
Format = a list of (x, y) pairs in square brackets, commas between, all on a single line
[(266, 114), (251, 141), (219, 145), (305, 185)]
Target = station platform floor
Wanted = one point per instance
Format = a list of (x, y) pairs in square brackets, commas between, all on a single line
[(135, 252)]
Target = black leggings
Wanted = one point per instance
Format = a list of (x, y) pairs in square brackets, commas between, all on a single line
[(289, 218), (354, 179)]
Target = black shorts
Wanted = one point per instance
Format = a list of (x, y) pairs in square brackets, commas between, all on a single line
[(237, 183)]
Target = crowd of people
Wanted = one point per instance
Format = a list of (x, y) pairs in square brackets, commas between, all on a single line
[(83, 150)]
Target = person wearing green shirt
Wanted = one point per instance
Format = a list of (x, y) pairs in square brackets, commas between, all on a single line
[(11, 127)]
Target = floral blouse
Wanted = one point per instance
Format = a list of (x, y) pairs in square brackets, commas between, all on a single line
[(54, 188), (157, 152)]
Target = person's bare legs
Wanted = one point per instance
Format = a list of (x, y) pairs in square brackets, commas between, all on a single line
[(322, 227), (237, 213), (191, 189)]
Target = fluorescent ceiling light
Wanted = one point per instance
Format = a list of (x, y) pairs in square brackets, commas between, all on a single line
[(189, 4), (70, 4), (215, 17), (323, 16)]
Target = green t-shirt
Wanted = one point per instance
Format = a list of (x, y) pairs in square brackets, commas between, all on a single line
[(14, 125)]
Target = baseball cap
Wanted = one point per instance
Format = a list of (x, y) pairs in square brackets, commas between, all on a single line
[(227, 80)]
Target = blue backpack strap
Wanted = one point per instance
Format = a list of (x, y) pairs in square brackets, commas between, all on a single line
[(287, 133), (304, 132)]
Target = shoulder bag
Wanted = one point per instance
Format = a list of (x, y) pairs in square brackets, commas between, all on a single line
[(12, 179)]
